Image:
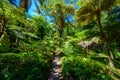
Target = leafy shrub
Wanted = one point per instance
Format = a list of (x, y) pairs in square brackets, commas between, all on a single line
[(81, 68), (70, 47), (24, 66), (45, 47), (4, 43)]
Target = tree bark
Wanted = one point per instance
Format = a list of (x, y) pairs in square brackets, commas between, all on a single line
[(104, 40), (24, 4), (3, 21)]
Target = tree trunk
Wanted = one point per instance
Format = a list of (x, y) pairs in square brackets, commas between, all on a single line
[(109, 56), (60, 35), (3, 21), (61, 27), (60, 32), (24, 4), (104, 40)]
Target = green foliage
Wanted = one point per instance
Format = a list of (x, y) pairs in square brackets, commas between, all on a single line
[(24, 66), (67, 48), (34, 40), (81, 68), (4, 43), (46, 47), (41, 26), (70, 46), (112, 26)]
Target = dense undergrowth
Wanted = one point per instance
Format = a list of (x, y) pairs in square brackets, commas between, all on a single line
[(85, 34), (85, 68), (24, 66), (91, 66)]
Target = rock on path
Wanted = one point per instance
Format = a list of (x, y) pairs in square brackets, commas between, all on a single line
[(55, 73)]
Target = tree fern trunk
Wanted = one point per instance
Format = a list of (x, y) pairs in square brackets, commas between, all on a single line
[(24, 4), (104, 40), (3, 21)]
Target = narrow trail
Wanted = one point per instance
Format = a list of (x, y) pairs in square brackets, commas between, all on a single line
[(55, 73)]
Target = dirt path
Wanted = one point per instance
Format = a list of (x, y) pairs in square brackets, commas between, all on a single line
[(55, 73)]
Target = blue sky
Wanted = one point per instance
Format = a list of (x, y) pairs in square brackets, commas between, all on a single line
[(32, 9)]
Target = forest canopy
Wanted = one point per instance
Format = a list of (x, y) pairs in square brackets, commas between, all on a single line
[(59, 39)]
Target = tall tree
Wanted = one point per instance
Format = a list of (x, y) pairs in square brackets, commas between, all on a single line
[(92, 9), (61, 13), (24, 4), (27, 3), (3, 19)]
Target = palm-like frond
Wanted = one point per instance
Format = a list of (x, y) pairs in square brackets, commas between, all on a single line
[(84, 15), (85, 19), (69, 9), (90, 8), (83, 11), (106, 4)]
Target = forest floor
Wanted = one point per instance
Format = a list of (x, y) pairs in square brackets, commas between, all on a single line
[(55, 73)]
